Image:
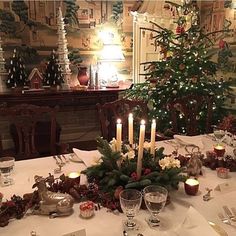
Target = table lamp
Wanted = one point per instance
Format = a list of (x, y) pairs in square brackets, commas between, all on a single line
[(109, 55)]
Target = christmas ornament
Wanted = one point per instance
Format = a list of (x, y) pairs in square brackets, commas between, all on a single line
[(182, 66)]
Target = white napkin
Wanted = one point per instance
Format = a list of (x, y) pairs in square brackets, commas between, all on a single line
[(196, 140), (194, 224), (88, 157)]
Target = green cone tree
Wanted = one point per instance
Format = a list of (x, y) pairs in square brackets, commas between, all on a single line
[(186, 68), (53, 75), (17, 76)]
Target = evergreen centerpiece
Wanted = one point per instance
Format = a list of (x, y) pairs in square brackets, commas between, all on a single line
[(185, 69), (53, 74), (118, 170), (17, 75)]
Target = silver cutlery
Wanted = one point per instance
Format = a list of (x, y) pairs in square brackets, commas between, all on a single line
[(66, 159), (62, 162), (224, 219), (229, 213), (55, 158)]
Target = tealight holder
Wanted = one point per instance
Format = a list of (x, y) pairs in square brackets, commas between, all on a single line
[(191, 186), (219, 150), (74, 178), (222, 172), (87, 209)]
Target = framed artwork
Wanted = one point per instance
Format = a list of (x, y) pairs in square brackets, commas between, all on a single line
[(83, 14)]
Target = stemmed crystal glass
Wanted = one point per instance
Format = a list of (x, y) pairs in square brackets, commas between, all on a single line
[(155, 199), (219, 134), (130, 201)]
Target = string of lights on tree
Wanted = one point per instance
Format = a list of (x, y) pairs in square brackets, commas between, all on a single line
[(185, 68), (53, 74), (17, 76)]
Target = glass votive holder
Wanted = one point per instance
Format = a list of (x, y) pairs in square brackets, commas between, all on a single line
[(222, 172), (87, 209), (191, 186), (6, 167)]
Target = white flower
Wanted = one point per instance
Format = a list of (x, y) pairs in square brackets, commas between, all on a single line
[(146, 145), (169, 162), (113, 144)]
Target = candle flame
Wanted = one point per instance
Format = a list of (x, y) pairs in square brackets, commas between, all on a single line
[(118, 121), (130, 115), (142, 122), (192, 182), (153, 121), (73, 175)]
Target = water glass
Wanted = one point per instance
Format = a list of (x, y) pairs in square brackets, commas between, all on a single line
[(219, 134), (130, 201), (6, 167), (155, 199)]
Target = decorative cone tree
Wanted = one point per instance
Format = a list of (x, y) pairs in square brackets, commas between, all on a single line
[(17, 76), (185, 68), (53, 74)]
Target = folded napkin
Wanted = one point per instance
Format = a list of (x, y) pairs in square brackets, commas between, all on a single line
[(88, 157), (194, 140), (194, 224)]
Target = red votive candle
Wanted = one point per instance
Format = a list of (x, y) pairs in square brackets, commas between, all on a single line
[(74, 178), (219, 150), (191, 186)]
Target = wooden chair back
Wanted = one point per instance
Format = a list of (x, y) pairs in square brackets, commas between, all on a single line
[(26, 121), (189, 107), (108, 114)]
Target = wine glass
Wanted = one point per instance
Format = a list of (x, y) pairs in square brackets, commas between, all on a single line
[(130, 201), (219, 134), (155, 199)]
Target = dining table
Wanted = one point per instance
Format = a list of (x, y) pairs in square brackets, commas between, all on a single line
[(109, 223)]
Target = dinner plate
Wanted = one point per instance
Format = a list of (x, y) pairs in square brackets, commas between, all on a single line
[(218, 229)]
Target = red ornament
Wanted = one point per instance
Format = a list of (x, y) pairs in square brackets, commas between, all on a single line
[(180, 29), (134, 176), (221, 44), (147, 171)]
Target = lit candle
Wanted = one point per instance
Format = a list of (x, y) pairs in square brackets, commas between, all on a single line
[(74, 179), (153, 135), (219, 150), (140, 148), (118, 134), (191, 186), (131, 129), (73, 175)]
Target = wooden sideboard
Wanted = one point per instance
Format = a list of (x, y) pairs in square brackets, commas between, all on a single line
[(83, 99), (77, 111)]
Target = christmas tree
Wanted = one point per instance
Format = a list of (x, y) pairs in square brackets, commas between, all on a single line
[(53, 75), (17, 75), (185, 68)]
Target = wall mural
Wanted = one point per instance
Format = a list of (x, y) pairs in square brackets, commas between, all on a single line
[(31, 27)]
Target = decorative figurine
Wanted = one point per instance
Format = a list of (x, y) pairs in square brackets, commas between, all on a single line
[(194, 165), (53, 204), (207, 196)]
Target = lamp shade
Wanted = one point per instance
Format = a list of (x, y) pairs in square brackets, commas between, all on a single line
[(111, 53)]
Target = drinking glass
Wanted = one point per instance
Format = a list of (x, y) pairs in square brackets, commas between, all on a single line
[(155, 199), (130, 201), (6, 167), (219, 134)]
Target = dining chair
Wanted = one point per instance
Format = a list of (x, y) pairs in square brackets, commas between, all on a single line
[(189, 108), (34, 130), (109, 112)]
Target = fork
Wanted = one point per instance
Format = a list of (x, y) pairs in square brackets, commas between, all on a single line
[(224, 219), (229, 213)]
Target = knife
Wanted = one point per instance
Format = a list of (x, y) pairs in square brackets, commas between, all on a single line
[(229, 213)]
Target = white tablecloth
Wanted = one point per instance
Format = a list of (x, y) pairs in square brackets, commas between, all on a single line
[(106, 223)]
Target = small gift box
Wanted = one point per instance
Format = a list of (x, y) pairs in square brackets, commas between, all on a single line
[(222, 172), (87, 209)]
